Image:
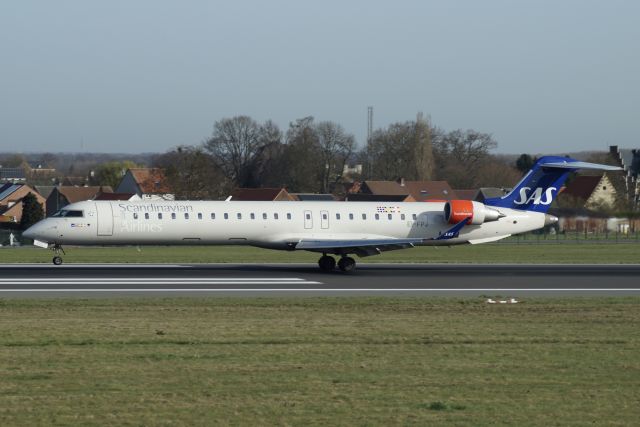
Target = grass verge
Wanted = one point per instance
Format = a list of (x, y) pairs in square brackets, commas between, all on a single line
[(347, 361), (581, 253)]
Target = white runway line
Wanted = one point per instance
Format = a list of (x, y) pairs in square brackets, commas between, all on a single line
[(151, 290), (157, 279)]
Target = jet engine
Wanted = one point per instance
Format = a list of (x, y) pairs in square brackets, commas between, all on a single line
[(457, 210)]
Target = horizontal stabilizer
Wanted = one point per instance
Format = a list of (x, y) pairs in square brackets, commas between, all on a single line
[(579, 165)]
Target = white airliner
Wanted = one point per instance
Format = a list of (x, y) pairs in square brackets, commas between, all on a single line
[(330, 228)]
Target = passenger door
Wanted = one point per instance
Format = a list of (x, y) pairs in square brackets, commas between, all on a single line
[(308, 220), (324, 219), (105, 218)]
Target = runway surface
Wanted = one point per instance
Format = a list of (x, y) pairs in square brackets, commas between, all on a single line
[(119, 280)]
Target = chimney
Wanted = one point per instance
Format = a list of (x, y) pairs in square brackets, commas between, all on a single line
[(401, 182)]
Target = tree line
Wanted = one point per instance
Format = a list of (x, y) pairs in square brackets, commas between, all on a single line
[(310, 156)]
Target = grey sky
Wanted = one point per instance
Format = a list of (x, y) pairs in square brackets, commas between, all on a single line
[(147, 75)]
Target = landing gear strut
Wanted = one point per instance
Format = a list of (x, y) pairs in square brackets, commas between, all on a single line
[(327, 263), (57, 259), (347, 264)]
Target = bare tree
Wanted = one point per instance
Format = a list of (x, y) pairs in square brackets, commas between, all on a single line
[(335, 147), (194, 174), (234, 143), (402, 150)]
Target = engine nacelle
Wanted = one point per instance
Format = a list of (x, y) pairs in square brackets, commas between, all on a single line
[(457, 210)]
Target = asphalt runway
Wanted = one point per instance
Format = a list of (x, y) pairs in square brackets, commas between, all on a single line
[(123, 280)]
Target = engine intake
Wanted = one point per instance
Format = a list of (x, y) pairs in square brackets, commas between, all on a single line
[(457, 210)]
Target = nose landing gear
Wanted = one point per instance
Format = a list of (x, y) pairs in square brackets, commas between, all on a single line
[(57, 259)]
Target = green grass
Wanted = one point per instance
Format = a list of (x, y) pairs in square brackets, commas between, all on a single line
[(349, 361), (586, 253)]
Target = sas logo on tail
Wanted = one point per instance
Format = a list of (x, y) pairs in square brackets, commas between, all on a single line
[(535, 197)]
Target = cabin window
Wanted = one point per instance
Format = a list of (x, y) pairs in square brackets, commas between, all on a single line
[(173, 215), (307, 216), (226, 216), (288, 216), (350, 216), (199, 215), (414, 216), (377, 216), (146, 215), (239, 215), (159, 215), (252, 215), (390, 216), (337, 216), (186, 215), (275, 216), (135, 215), (213, 216), (324, 216), (364, 216), (402, 217), (264, 215)]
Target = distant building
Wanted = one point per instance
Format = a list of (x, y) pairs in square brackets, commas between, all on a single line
[(62, 196), (629, 161), (313, 197), (591, 192), (11, 196), (147, 183), (363, 197), (261, 194), (15, 175), (421, 191)]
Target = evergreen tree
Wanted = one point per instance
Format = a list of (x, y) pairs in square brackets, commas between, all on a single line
[(32, 211)]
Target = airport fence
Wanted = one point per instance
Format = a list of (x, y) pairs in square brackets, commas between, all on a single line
[(572, 237)]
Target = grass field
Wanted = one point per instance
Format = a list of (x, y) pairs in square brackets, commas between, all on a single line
[(581, 253), (349, 361)]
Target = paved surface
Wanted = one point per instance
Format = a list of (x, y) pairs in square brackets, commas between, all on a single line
[(117, 280)]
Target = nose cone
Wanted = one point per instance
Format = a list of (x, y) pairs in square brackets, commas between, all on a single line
[(39, 231), (31, 232)]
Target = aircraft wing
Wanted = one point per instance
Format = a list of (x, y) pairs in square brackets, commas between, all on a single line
[(362, 247)]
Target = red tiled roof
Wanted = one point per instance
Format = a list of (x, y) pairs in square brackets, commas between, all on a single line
[(260, 194), (150, 180), (581, 187), (420, 190), (78, 194)]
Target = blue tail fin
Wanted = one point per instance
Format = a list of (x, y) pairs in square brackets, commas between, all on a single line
[(537, 189)]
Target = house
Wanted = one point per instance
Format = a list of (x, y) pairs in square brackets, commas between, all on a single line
[(261, 194), (591, 192), (313, 197), (117, 196), (147, 183), (421, 191), (12, 175), (363, 197), (62, 196), (11, 196), (629, 161)]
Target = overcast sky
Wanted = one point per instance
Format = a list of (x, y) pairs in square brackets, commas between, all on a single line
[(147, 75)]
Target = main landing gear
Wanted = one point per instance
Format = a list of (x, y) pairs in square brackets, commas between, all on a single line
[(57, 259), (328, 263)]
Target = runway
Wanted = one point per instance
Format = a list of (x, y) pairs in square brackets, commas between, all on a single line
[(123, 280)]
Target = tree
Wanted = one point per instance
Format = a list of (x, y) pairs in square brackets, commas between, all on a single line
[(111, 173), (335, 147), (524, 163), (194, 174), (32, 211), (234, 144), (459, 155), (301, 157), (402, 150)]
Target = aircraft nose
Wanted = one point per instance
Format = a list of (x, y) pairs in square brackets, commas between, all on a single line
[(39, 231)]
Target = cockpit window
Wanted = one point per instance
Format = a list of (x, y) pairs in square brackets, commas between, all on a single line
[(68, 213)]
